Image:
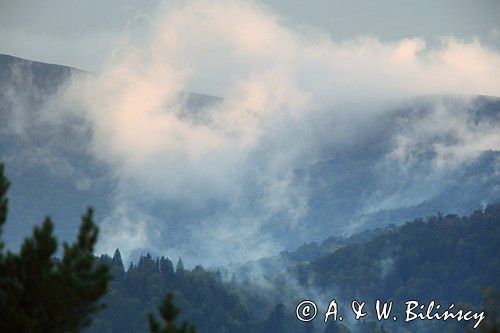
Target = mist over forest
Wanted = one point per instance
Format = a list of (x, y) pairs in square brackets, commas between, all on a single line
[(243, 163), (402, 162)]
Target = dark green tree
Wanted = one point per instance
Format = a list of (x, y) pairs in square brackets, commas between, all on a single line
[(169, 314), (39, 293), (167, 270), (180, 266), (117, 259)]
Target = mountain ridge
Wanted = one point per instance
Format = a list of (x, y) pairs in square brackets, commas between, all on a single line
[(342, 188)]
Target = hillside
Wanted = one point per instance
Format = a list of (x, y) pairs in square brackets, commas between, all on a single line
[(450, 259)]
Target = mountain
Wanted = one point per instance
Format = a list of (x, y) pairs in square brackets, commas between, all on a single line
[(360, 184), (49, 175), (267, 268), (51, 169), (366, 179)]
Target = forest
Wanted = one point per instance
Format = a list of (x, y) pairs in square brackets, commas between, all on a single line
[(450, 258)]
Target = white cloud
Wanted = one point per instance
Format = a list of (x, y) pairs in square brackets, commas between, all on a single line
[(287, 96)]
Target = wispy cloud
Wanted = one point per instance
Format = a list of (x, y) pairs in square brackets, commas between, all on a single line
[(289, 96)]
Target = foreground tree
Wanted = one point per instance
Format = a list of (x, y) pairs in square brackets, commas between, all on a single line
[(40, 293), (169, 313)]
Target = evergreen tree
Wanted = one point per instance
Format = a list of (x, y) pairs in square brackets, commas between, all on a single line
[(39, 293), (117, 259), (167, 269), (169, 314), (180, 266)]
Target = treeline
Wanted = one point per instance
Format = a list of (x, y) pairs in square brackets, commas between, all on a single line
[(206, 299), (446, 258), (133, 293), (449, 259)]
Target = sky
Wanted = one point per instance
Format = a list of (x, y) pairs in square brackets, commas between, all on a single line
[(83, 33)]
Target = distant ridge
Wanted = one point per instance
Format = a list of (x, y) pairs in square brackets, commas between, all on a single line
[(7, 58)]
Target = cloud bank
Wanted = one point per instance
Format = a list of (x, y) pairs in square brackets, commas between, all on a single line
[(219, 183)]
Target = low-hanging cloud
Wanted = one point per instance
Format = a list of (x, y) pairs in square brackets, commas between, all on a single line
[(288, 97)]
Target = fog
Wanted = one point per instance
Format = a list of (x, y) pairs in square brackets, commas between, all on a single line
[(218, 184)]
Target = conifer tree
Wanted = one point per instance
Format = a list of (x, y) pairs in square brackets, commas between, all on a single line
[(39, 293), (117, 259), (118, 269), (169, 314), (166, 269), (179, 268)]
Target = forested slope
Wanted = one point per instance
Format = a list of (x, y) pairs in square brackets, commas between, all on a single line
[(450, 259)]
